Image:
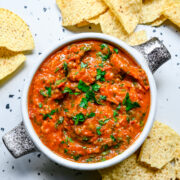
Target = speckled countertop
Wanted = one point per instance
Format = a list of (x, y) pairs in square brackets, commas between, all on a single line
[(44, 20)]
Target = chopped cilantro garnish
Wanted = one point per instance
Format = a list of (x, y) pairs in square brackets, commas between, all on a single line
[(68, 90), (40, 105), (119, 107), (101, 122), (115, 113), (48, 115), (48, 91), (78, 118), (68, 139), (65, 65), (96, 87), (102, 97), (89, 160), (100, 75), (66, 110), (83, 65), (98, 130), (83, 86), (92, 114), (129, 104), (103, 46), (116, 50), (83, 103), (128, 138), (60, 121), (101, 65), (76, 157), (57, 69), (65, 151), (104, 57), (112, 137), (60, 81)]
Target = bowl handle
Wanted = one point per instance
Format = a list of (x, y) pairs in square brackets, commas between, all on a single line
[(154, 52), (18, 142)]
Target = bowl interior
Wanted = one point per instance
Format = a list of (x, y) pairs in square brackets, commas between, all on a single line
[(99, 165)]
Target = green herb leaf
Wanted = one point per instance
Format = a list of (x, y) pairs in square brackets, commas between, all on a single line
[(92, 114), (40, 105), (65, 65), (60, 81), (83, 103), (48, 91), (128, 138), (67, 90), (103, 46), (78, 118), (129, 104), (116, 50), (43, 93), (101, 122), (101, 65), (113, 138), (100, 75), (119, 107), (57, 69), (83, 86), (102, 97), (83, 65), (60, 121), (76, 157), (96, 87), (98, 130), (48, 115)]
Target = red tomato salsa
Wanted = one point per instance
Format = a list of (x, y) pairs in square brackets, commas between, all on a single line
[(89, 101)]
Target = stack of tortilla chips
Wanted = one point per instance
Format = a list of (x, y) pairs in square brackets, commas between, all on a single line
[(158, 159), (120, 18), (15, 38)]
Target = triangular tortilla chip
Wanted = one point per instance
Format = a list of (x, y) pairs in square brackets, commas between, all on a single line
[(75, 12), (14, 32), (9, 62)]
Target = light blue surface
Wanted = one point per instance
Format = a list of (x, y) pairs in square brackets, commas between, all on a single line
[(44, 20)]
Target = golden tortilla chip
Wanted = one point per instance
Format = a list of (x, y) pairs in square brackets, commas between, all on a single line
[(130, 169), (159, 147), (137, 38), (77, 11), (159, 21), (172, 11), (151, 10), (14, 32), (127, 12), (111, 26), (9, 62), (177, 162)]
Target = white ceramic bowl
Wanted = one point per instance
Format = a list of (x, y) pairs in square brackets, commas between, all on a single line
[(99, 165)]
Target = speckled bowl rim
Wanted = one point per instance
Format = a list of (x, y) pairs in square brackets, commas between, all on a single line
[(99, 165)]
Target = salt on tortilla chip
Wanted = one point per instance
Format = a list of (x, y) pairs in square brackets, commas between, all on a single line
[(131, 169), (137, 38), (9, 62), (14, 32), (111, 26), (159, 147), (159, 21), (77, 11), (177, 162), (128, 169), (151, 10), (172, 11), (127, 12)]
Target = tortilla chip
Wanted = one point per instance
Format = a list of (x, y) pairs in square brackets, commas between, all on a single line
[(14, 32), (159, 21), (111, 26), (129, 169), (151, 10), (172, 12), (159, 147), (9, 62), (137, 38), (77, 11), (166, 173), (127, 12), (177, 162)]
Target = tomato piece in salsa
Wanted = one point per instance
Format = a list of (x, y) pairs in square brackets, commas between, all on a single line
[(89, 101)]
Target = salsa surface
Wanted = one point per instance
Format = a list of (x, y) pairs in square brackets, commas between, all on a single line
[(89, 101)]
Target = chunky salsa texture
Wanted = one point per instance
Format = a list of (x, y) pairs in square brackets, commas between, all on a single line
[(89, 101)]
